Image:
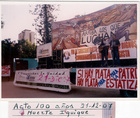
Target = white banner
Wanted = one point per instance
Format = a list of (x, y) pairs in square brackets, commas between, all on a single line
[(44, 50), (6, 71), (128, 50), (112, 78), (47, 79), (89, 37)]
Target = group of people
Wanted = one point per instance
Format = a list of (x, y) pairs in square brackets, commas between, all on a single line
[(114, 46)]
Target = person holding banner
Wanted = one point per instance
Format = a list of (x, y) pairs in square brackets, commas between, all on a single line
[(114, 45), (103, 49)]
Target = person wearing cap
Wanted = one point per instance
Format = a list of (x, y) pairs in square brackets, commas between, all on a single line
[(114, 45)]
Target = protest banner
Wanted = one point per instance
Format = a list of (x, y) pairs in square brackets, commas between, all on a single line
[(88, 30), (6, 71), (127, 50), (111, 78), (47, 79), (44, 50)]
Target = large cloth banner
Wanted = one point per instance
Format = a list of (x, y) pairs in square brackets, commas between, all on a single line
[(127, 50), (47, 79), (44, 50), (111, 78), (88, 30), (6, 71)]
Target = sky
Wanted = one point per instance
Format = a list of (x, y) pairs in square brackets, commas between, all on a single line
[(17, 18)]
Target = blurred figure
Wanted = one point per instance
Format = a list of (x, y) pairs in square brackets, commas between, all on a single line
[(114, 45), (103, 49)]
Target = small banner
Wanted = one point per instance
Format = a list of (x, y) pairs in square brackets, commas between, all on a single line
[(112, 78), (47, 79), (6, 71), (62, 109), (44, 50)]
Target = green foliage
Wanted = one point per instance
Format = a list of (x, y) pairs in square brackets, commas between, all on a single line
[(26, 49), (43, 21), (6, 51), (22, 49)]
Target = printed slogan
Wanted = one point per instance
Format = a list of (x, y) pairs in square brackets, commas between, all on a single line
[(127, 50), (90, 29), (92, 37), (47, 79), (112, 78), (79, 38), (6, 71)]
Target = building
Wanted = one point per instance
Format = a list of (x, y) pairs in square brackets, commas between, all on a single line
[(27, 35)]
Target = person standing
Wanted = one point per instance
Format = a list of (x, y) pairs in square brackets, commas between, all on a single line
[(103, 49), (114, 45)]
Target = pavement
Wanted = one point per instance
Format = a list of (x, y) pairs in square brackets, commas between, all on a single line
[(9, 90)]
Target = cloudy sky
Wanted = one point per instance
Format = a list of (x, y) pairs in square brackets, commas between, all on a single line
[(16, 16)]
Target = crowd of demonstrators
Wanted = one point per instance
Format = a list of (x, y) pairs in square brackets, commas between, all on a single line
[(114, 46)]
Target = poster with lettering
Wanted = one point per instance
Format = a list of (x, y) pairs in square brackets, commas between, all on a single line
[(62, 109), (87, 30), (44, 50), (127, 50), (6, 71), (47, 79), (111, 78)]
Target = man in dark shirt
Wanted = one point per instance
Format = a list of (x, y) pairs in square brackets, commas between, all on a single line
[(103, 49), (114, 45)]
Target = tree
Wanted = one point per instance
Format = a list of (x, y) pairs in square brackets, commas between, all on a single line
[(22, 49), (43, 22), (79, 16), (26, 49), (8, 51)]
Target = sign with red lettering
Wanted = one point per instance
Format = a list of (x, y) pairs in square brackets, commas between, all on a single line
[(127, 50), (47, 79), (112, 78), (6, 71)]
